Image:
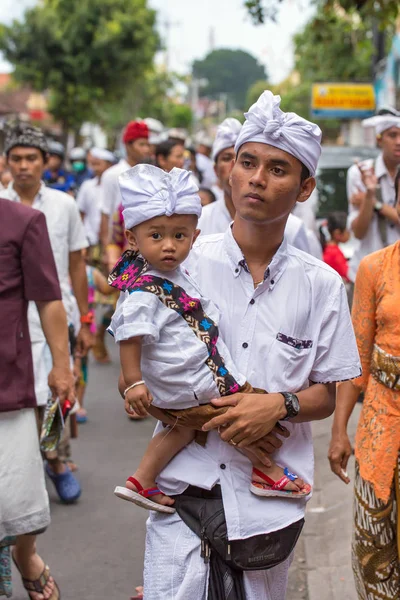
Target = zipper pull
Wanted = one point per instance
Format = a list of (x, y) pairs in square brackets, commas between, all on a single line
[(228, 552), (207, 551)]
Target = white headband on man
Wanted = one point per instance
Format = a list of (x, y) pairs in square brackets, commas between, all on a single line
[(149, 192), (382, 122), (268, 124), (102, 154), (227, 134)]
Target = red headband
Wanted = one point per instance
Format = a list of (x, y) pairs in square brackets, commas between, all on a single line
[(135, 130)]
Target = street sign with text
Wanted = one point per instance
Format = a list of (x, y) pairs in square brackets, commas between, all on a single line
[(342, 100)]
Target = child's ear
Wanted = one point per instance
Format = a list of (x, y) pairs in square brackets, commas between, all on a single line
[(195, 236), (131, 237)]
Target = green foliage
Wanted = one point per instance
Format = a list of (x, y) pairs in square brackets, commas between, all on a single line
[(82, 51), (334, 47), (181, 115), (229, 72), (384, 11)]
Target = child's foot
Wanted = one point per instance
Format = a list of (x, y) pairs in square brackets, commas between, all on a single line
[(145, 494), (276, 481)]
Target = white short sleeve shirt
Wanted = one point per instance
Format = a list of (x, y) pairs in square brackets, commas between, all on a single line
[(293, 328), (88, 201), (215, 218), (67, 234), (372, 241), (173, 360), (110, 194)]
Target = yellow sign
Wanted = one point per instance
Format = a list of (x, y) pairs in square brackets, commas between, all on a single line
[(343, 100)]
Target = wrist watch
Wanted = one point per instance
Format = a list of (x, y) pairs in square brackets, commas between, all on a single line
[(87, 319), (292, 405), (378, 206)]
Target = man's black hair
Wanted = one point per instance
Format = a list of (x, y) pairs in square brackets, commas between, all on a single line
[(305, 173)]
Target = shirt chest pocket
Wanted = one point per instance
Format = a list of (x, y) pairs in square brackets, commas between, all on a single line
[(296, 357)]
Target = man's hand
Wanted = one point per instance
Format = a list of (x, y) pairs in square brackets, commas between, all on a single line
[(268, 444), (251, 417), (339, 453), (368, 177), (138, 399), (84, 341), (62, 384)]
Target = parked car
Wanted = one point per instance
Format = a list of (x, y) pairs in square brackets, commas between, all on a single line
[(331, 183)]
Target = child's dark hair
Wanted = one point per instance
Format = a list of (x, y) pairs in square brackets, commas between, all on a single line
[(335, 220), (165, 148), (210, 193)]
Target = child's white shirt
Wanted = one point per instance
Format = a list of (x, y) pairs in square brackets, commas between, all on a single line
[(173, 360)]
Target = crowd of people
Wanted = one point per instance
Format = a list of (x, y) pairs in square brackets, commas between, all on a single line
[(236, 279)]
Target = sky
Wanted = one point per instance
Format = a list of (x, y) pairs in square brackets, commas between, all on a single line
[(197, 26)]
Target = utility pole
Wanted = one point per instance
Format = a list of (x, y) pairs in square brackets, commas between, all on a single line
[(168, 24)]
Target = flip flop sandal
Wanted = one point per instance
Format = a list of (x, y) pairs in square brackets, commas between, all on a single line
[(38, 585), (273, 488), (142, 497)]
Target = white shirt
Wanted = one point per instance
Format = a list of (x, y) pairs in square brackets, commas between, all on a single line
[(372, 241), (88, 201), (215, 218), (301, 298), (66, 233), (173, 357), (109, 188), (206, 167), (218, 193)]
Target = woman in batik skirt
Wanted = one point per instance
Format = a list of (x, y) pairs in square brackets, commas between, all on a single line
[(376, 319)]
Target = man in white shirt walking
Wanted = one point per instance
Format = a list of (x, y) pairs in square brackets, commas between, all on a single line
[(26, 151), (89, 198), (371, 194), (216, 217), (285, 319), (136, 141)]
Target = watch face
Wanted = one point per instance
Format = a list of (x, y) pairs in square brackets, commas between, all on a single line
[(292, 405)]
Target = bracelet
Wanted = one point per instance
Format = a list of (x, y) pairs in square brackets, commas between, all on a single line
[(130, 387)]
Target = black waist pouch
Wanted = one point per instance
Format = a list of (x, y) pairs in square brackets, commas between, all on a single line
[(203, 512)]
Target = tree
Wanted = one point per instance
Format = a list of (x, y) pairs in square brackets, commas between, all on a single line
[(384, 11), (81, 51), (334, 46), (229, 72)]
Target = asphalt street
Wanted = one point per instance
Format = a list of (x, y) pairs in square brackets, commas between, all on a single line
[(95, 547)]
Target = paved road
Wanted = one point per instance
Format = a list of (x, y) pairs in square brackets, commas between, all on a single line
[(95, 548)]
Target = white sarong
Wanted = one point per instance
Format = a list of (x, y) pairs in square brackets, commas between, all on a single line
[(24, 503), (174, 569)]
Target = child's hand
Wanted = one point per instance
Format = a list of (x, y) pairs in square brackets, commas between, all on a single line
[(138, 399)]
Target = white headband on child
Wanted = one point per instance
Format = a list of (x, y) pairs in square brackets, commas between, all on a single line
[(149, 192)]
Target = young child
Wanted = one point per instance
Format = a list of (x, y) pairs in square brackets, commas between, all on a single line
[(172, 355), (338, 234)]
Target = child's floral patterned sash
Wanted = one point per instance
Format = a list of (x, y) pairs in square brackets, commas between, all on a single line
[(129, 274)]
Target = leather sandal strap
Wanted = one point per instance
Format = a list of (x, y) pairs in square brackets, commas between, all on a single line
[(37, 585)]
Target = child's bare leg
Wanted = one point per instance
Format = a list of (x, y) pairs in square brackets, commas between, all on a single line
[(161, 450), (275, 472)]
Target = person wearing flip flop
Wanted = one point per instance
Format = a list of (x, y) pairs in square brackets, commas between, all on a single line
[(286, 322), (27, 273), (27, 151), (161, 211)]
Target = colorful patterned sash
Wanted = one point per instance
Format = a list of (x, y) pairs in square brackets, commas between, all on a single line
[(129, 274)]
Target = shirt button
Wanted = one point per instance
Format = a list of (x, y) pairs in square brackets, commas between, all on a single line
[(236, 270), (272, 282), (245, 345), (252, 301), (223, 466)]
